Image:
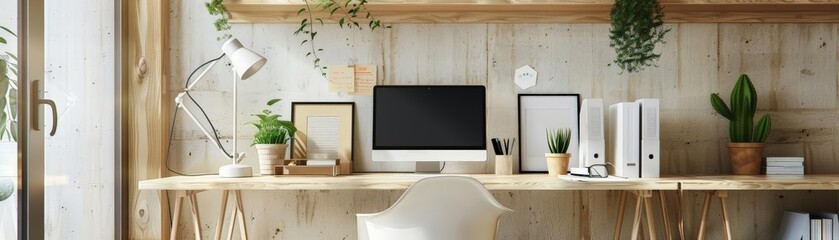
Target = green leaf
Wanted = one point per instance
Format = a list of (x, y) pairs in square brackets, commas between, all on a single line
[(301, 10), (273, 101), (341, 22), (764, 125), (720, 106), (13, 130), (8, 30)]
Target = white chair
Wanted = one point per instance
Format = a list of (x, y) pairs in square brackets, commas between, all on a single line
[(436, 208)]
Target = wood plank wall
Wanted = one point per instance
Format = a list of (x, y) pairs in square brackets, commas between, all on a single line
[(148, 107), (793, 66)]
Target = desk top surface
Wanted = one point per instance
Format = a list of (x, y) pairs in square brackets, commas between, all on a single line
[(401, 181), (762, 182), (395, 181)]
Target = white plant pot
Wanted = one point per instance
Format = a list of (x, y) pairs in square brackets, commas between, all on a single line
[(269, 156)]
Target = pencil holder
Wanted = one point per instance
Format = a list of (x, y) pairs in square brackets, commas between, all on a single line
[(504, 165)]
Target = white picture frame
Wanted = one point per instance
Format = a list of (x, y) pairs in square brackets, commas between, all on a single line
[(539, 112)]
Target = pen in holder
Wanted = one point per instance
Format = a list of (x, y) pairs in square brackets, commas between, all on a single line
[(503, 158)]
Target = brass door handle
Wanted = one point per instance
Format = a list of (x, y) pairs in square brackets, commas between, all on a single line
[(37, 101)]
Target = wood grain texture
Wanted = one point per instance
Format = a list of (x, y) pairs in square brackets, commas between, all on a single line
[(390, 181), (761, 182), (148, 114), (545, 11)]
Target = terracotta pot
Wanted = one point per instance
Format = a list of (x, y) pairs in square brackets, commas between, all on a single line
[(269, 156), (557, 163), (745, 158)]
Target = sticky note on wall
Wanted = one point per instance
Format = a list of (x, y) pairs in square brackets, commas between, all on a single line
[(365, 80), (341, 78)]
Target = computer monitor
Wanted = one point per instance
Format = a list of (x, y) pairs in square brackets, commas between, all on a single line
[(429, 124)]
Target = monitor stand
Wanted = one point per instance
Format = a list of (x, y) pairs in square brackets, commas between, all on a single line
[(428, 167)]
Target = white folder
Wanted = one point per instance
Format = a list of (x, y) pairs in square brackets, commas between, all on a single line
[(592, 139), (623, 144), (650, 159)]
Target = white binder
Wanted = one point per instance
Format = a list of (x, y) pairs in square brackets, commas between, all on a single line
[(623, 144), (650, 159), (592, 139)]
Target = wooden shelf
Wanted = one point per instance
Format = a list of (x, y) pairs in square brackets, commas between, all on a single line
[(393, 181), (550, 11)]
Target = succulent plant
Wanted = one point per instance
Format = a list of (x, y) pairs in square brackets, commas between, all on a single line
[(742, 112), (558, 140)]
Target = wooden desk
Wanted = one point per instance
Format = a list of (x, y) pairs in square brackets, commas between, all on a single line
[(186, 187), (718, 186), (395, 181), (761, 182)]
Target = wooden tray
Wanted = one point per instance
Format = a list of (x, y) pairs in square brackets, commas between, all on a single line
[(299, 167)]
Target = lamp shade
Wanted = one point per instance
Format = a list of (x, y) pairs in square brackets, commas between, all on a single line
[(245, 62)]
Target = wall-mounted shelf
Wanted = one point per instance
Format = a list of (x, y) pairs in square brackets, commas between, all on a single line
[(548, 11)]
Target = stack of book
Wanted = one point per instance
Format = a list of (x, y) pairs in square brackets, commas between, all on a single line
[(821, 229), (784, 166), (813, 226)]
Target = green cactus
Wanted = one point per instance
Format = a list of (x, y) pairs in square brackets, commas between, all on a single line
[(742, 113)]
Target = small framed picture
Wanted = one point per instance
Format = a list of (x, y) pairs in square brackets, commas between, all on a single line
[(324, 131), (539, 112)]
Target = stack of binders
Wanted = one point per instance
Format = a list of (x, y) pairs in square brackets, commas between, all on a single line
[(813, 226), (633, 138), (784, 166)]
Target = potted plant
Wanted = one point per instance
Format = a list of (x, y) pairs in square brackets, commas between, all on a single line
[(746, 146), (558, 141), (271, 138), (637, 26)]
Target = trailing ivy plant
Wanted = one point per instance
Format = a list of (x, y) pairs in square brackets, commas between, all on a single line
[(348, 11), (350, 14), (637, 27), (217, 9), (8, 90)]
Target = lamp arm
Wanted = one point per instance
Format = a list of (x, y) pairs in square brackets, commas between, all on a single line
[(201, 76), (179, 101)]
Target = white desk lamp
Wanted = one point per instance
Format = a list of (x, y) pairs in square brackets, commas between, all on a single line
[(245, 63)]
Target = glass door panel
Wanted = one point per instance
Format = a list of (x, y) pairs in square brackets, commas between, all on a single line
[(8, 114), (65, 173), (79, 160)]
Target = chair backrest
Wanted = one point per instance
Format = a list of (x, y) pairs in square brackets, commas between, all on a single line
[(438, 208)]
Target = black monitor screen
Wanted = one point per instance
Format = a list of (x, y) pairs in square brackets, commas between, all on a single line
[(429, 117)]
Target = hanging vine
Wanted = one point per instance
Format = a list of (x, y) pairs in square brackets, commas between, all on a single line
[(349, 12), (217, 9), (637, 27)]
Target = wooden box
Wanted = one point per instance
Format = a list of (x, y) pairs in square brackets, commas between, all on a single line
[(299, 167)]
